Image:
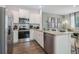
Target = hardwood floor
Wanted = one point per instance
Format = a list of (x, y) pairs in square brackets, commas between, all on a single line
[(27, 48)]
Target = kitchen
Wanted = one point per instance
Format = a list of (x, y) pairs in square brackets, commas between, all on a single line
[(51, 27)]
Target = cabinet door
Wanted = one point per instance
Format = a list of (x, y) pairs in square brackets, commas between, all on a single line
[(48, 43), (23, 13), (32, 34), (15, 16), (38, 36), (15, 36)]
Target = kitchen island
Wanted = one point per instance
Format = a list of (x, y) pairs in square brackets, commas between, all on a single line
[(54, 42)]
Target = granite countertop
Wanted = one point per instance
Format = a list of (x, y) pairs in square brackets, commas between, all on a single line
[(58, 33), (53, 32)]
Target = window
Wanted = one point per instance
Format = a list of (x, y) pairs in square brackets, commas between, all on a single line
[(54, 22), (77, 20)]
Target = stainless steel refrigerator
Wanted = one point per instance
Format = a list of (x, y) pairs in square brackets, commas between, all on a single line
[(6, 32)]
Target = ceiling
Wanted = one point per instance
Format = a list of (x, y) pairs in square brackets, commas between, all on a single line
[(53, 9), (61, 9), (30, 7)]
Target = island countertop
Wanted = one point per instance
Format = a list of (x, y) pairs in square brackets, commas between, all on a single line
[(53, 32)]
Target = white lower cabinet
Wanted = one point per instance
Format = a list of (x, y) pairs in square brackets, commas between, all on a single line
[(31, 34), (62, 44), (38, 36), (15, 36)]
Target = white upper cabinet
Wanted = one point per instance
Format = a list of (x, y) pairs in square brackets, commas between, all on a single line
[(15, 16), (35, 18), (23, 13)]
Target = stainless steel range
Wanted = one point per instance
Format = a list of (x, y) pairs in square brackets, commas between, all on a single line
[(24, 30)]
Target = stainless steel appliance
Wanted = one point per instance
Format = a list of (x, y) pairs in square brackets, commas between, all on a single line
[(24, 30), (5, 32), (24, 24)]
